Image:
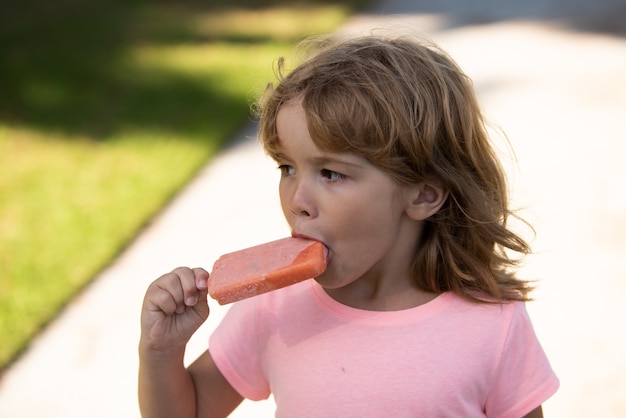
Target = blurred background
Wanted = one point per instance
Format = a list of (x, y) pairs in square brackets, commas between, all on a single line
[(107, 108), (127, 148)]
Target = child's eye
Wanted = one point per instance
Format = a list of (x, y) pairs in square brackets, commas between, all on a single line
[(332, 175), (286, 170)]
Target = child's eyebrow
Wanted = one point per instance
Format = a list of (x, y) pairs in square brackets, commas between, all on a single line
[(319, 160), (327, 159)]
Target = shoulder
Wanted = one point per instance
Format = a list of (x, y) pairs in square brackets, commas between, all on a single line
[(240, 343), (487, 310), (496, 325)]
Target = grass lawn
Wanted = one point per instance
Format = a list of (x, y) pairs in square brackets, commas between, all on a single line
[(107, 108)]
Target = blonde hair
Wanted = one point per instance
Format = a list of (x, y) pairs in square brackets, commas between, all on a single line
[(407, 107)]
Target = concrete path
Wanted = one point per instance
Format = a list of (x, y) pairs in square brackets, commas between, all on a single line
[(551, 74)]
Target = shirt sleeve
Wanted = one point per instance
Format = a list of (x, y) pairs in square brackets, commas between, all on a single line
[(523, 378), (236, 350)]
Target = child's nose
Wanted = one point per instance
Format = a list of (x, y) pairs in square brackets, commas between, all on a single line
[(302, 201)]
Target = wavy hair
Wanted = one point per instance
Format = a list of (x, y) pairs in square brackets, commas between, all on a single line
[(406, 106)]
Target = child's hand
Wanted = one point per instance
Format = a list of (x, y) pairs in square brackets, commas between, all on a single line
[(173, 309)]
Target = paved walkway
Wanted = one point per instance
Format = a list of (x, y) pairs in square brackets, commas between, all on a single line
[(551, 74)]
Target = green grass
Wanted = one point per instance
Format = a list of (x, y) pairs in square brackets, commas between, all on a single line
[(107, 108)]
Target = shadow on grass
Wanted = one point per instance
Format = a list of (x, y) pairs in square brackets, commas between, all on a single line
[(64, 66), (112, 71)]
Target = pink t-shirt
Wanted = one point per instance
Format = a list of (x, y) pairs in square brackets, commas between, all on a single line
[(319, 358)]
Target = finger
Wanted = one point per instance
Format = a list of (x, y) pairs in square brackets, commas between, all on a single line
[(172, 296), (161, 296), (188, 286), (202, 278)]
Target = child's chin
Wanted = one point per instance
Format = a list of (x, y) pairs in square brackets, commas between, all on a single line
[(324, 280)]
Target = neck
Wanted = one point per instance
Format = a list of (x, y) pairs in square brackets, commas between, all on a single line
[(387, 285), (381, 296)]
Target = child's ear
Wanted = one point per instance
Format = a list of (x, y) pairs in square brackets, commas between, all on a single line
[(425, 200)]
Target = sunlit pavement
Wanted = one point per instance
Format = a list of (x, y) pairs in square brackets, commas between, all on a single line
[(551, 75)]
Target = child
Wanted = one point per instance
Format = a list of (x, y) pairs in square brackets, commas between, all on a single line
[(384, 158)]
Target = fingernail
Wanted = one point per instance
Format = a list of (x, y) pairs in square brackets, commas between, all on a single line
[(180, 309), (191, 301), (202, 284)]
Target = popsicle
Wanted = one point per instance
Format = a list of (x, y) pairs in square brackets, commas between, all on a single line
[(262, 268)]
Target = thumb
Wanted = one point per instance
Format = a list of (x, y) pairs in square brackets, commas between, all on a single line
[(202, 305)]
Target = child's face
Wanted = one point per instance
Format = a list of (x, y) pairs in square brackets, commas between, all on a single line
[(353, 207)]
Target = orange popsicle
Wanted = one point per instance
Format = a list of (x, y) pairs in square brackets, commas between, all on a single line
[(262, 268)]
